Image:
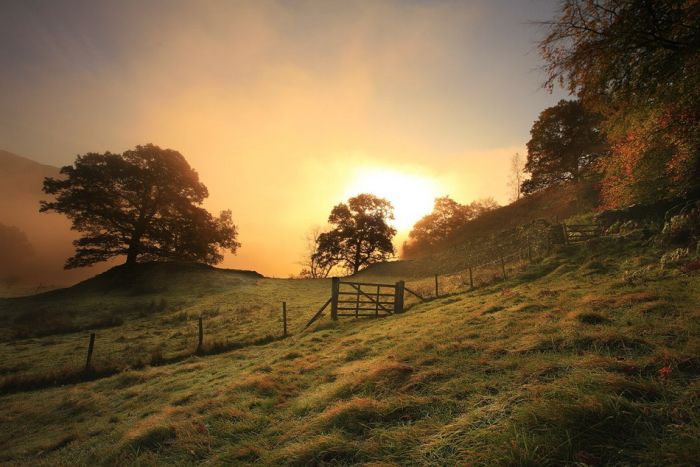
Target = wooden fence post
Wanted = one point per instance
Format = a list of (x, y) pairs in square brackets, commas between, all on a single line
[(436, 287), (398, 297), (284, 317), (335, 288), (91, 347), (471, 278), (201, 336), (376, 306)]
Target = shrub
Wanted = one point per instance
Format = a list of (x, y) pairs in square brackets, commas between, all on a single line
[(637, 276), (674, 256)]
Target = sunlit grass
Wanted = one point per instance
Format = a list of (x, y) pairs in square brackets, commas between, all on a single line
[(562, 363)]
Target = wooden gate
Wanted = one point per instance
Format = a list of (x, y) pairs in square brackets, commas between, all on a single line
[(581, 232), (363, 299)]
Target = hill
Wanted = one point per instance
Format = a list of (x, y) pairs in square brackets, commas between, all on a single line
[(587, 357), (150, 277), (116, 295), (21, 181), (552, 205)]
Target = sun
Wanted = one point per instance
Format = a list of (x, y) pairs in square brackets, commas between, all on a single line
[(412, 195)]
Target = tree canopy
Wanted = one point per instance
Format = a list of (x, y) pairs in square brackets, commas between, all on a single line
[(360, 234), (637, 63), (565, 142), (445, 219), (446, 216), (144, 204)]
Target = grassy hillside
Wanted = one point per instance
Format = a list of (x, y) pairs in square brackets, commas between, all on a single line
[(552, 205), (587, 357)]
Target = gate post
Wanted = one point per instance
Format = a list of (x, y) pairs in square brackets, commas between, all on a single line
[(335, 288), (398, 297)]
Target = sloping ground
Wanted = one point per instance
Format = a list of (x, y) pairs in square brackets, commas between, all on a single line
[(146, 314), (149, 277), (552, 205), (589, 357)]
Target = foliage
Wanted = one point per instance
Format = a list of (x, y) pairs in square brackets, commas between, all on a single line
[(144, 203), (447, 214), (638, 64), (360, 235), (445, 219), (683, 228), (674, 256), (565, 143)]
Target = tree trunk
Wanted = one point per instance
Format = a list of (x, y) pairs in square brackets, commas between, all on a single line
[(356, 264), (133, 252), (134, 246)]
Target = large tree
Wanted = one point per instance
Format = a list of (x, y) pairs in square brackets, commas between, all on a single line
[(144, 204), (637, 62), (360, 234), (565, 141)]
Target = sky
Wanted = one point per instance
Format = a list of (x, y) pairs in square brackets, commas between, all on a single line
[(284, 108)]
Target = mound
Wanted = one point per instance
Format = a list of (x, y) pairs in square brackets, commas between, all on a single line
[(151, 275)]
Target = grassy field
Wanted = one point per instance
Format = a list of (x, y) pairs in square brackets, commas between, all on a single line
[(587, 357)]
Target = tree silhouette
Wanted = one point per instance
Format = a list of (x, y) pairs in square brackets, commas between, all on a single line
[(313, 265), (144, 204), (565, 142), (445, 219), (360, 234), (437, 226)]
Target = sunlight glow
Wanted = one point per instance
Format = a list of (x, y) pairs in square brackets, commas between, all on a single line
[(411, 195)]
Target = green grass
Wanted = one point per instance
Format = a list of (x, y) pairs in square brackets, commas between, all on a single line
[(565, 363)]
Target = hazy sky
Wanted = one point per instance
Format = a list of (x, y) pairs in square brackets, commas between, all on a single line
[(284, 108)]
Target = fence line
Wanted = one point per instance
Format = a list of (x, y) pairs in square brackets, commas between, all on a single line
[(507, 249)]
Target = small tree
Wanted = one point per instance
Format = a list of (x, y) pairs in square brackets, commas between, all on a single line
[(312, 266), (565, 142), (360, 235), (483, 205), (144, 204), (517, 175)]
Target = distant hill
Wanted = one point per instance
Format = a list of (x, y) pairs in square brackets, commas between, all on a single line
[(21, 181)]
